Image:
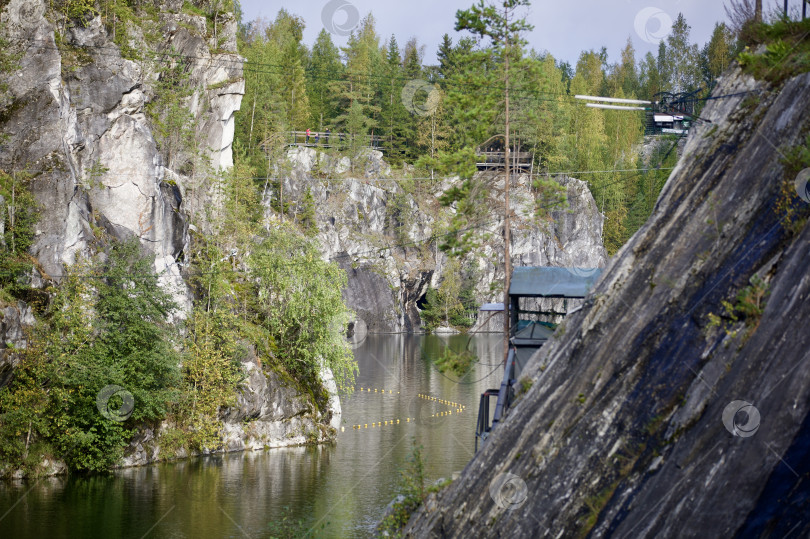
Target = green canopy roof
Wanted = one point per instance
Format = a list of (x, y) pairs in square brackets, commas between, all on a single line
[(549, 282)]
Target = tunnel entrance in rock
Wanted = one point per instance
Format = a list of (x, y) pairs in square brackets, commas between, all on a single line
[(421, 303)]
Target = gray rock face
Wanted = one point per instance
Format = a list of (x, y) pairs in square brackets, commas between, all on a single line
[(15, 320), (390, 270), (645, 419), (269, 413), (79, 125)]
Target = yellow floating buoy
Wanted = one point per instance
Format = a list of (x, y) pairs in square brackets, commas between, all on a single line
[(397, 421), (342, 429), (366, 426)]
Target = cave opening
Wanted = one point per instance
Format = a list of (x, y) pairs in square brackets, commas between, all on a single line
[(421, 303)]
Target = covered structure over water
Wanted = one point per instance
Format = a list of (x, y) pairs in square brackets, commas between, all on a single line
[(531, 327)]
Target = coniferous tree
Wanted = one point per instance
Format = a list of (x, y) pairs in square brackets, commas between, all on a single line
[(650, 77), (682, 57), (293, 87), (356, 96), (396, 122), (718, 53), (412, 59), (499, 23), (445, 56), (324, 68)]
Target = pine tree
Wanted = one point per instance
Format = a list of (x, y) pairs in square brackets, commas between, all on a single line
[(324, 67), (471, 105), (499, 23), (718, 53), (682, 57), (412, 59), (395, 119), (445, 56), (357, 94)]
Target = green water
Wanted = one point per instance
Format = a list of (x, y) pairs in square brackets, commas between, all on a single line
[(339, 490)]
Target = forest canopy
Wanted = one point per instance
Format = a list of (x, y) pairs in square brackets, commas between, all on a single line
[(376, 85)]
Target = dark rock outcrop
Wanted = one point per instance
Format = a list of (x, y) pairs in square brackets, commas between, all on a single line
[(654, 412)]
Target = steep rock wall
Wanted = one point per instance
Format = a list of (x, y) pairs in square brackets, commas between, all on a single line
[(79, 126), (632, 426), (390, 270)]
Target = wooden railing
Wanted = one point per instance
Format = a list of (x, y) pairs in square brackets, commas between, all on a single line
[(322, 139), (518, 160)]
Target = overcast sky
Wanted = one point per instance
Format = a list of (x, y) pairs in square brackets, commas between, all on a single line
[(563, 27)]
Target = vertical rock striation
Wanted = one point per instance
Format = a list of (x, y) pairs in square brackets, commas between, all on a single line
[(655, 412)]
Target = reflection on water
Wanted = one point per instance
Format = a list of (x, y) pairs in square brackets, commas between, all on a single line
[(345, 486)]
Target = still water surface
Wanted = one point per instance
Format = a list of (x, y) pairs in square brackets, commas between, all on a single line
[(340, 489)]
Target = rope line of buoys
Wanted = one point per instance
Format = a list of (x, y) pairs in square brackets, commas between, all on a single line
[(454, 408), (375, 390)]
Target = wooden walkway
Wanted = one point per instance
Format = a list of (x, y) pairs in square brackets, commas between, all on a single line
[(321, 139), (494, 160)]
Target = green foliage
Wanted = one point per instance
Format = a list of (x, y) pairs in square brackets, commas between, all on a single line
[(412, 489), (78, 9), (524, 385), (172, 121), (25, 426), (549, 196), (431, 314), (454, 300), (191, 9), (307, 214), (399, 216), (297, 298), (107, 325), (718, 53), (324, 65), (211, 375), (458, 363), (9, 62), (495, 21), (787, 50), (362, 94), (19, 213), (749, 306), (288, 527)]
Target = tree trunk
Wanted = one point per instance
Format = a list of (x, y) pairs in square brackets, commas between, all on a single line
[(507, 235), (758, 10)]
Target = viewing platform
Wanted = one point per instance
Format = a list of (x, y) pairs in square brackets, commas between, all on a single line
[(322, 139), (491, 155)]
